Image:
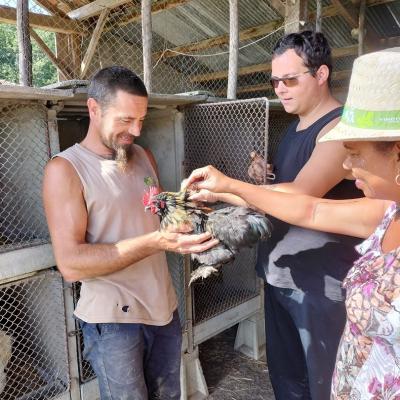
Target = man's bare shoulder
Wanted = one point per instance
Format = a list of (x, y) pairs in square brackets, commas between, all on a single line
[(59, 170)]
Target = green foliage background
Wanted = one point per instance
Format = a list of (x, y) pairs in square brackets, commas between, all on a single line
[(44, 73)]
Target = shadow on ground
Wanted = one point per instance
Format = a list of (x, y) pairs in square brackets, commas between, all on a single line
[(231, 375)]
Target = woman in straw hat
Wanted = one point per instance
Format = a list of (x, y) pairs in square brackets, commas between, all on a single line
[(368, 359)]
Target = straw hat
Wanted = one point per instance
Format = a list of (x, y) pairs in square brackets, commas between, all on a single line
[(372, 108)]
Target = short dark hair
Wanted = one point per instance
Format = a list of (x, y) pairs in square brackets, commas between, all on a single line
[(106, 82), (312, 47)]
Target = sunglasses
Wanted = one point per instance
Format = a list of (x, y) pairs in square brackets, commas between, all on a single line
[(289, 81)]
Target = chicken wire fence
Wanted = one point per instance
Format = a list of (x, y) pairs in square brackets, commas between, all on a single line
[(190, 43), (33, 343), (24, 151), (224, 135)]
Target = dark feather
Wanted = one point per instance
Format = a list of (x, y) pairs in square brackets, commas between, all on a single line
[(234, 227)]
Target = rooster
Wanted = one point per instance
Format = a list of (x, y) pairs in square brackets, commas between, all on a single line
[(234, 227)]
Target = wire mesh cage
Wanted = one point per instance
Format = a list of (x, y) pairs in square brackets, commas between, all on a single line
[(24, 151), (176, 265), (33, 344), (86, 372), (224, 135)]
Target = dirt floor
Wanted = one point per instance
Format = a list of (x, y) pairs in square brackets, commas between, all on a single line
[(231, 375)]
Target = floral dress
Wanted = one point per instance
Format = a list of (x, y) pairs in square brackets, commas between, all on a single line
[(368, 360)]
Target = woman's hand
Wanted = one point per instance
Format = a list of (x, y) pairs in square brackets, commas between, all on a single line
[(207, 178), (204, 195)]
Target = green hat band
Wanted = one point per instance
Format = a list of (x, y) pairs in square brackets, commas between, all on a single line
[(363, 119)]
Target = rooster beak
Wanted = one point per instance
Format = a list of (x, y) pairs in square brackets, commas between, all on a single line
[(147, 208)]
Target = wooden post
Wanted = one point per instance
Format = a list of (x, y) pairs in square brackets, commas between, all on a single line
[(63, 53), (318, 17), (296, 15), (147, 43), (24, 43), (361, 27), (233, 48), (87, 59)]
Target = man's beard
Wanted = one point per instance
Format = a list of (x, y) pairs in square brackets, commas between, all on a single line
[(121, 153)]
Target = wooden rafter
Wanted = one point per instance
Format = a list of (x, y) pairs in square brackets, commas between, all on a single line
[(24, 43), (56, 62), (156, 8), (247, 34), (95, 8), (8, 15), (93, 42), (279, 6), (51, 7), (266, 67), (348, 12), (296, 11)]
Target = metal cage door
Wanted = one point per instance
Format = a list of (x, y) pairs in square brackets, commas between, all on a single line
[(223, 135)]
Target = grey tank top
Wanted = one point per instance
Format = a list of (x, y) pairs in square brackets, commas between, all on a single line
[(142, 292)]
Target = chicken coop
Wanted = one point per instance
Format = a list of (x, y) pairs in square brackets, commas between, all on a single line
[(41, 343), (192, 55)]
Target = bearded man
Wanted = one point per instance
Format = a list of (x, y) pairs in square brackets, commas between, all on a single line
[(102, 237)]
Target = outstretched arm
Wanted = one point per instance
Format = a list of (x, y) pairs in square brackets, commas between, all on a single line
[(358, 217), (67, 220)]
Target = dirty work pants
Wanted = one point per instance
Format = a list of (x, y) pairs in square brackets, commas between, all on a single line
[(135, 361), (302, 334)]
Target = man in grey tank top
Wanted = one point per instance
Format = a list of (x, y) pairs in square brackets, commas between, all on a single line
[(102, 237)]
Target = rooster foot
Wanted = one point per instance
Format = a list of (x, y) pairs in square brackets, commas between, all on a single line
[(202, 272)]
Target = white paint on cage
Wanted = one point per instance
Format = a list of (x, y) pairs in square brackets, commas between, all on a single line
[(5, 355)]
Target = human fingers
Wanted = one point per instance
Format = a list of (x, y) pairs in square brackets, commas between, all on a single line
[(203, 195), (183, 185), (195, 243), (196, 178), (183, 227)]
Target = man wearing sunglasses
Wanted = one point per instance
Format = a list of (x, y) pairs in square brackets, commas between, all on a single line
[(303, 269)]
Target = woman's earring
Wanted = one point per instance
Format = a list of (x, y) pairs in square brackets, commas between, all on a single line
[(397, 179)]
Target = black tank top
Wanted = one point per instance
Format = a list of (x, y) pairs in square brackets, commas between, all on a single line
[(299, 258)]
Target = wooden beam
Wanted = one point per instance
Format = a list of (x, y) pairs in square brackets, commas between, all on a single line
[(56, 62), (95, 8), (266, 67), (51, 7), (8, 15), (371, 3), (361, 27), (147, 39), (24, 43), (348, 12), (156, 8), (62, 53), (75, 51), (318, 16), (233, 48), (279, 6), (255, 31), (93, 42), (296, 11), (247, 34)]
